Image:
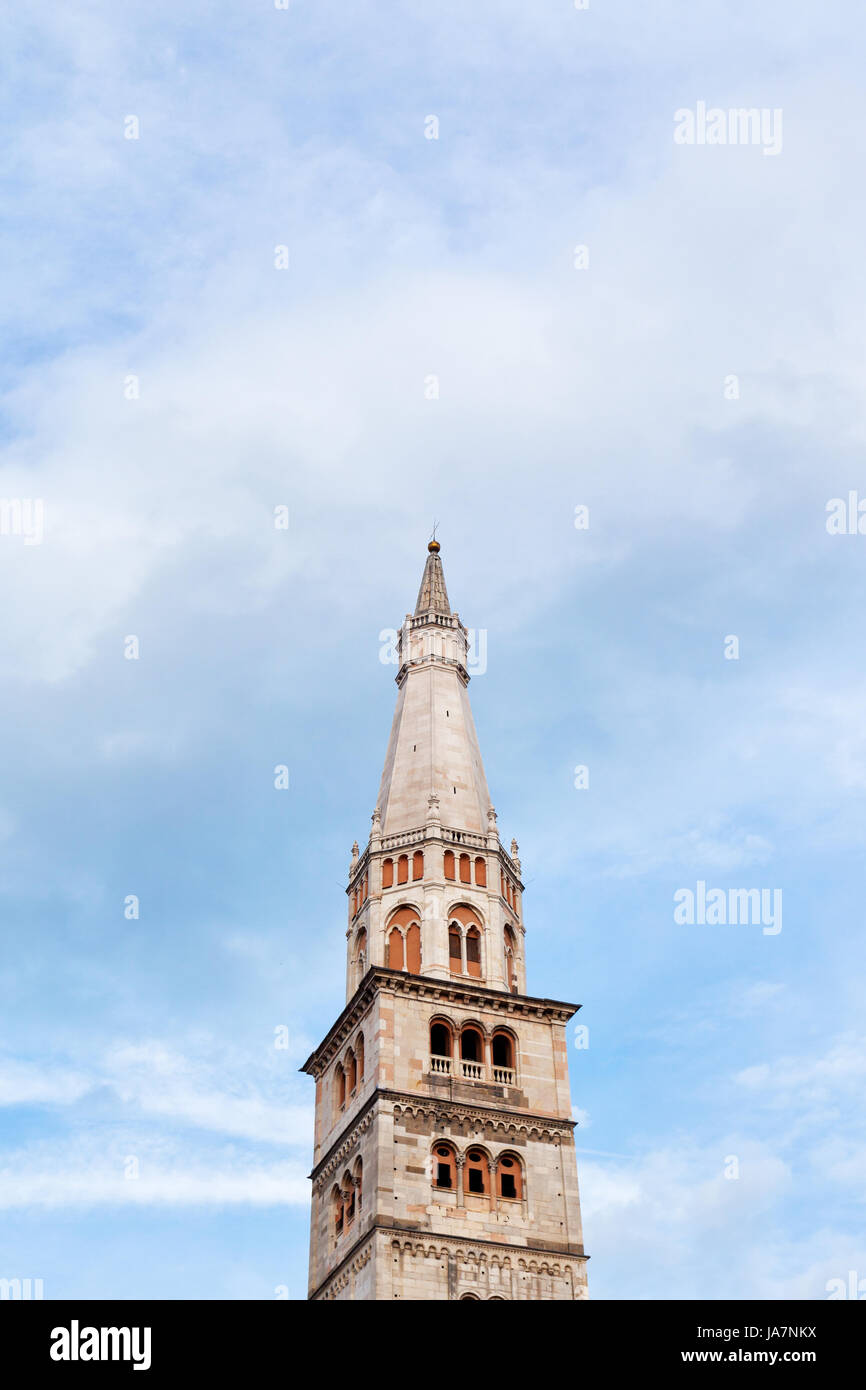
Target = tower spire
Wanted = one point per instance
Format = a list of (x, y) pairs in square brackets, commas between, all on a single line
[(432, 595), (433, 749)]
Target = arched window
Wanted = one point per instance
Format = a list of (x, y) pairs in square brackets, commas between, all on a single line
[(444, 1167), (441, 1045), (469, 1298), (403, 869), (359, 1048), (465, 876), (510, 953), (339, 1087), (455, 957), (387, 873), (417, 864), (464, 924), (473, 952), (337, 1209), (471, 1045), (476, 1173), (413, 949), (348, 1197), (509, 1178), (404, 944), (481, 872), (503, 1050), (449, 863), (395, 949), (351, 1072), (360, 955), (358, 1175)]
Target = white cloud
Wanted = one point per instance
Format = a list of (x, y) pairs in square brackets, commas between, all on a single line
[(30, 1083), (223, 1091), (79, 1174)]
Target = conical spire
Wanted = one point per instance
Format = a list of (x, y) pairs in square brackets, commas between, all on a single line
[(432, 596), (433, 750)]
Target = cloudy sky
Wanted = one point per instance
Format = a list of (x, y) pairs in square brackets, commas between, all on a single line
[(437, 346)]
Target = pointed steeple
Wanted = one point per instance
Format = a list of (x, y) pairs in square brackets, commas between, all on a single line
[(433, 750), (432, 596)]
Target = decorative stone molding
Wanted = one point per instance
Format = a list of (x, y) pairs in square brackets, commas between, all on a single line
[(343, 1278), (501, 1126), (337, 1157), (475, 1267)]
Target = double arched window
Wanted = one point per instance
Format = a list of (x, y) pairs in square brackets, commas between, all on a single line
[(360, 894), (464, 943), (510, 959), (346, 1198), (348, 1074), (404, 941), (360, 956)]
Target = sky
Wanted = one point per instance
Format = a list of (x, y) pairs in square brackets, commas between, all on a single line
[(381, 266)]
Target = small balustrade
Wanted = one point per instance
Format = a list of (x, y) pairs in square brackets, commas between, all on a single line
[(472, 1071)]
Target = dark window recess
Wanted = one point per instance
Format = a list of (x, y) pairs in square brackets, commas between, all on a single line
[(476, 1180), (443, 1175), (508, 1186)]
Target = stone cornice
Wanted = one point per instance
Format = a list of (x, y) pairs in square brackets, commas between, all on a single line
[(380, 979), (492, 1117), (541, 1259)]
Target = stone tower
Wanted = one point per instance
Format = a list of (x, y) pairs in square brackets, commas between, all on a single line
[(444, 1163)]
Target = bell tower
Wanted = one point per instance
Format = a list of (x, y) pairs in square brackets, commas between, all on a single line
[(444, 1164)]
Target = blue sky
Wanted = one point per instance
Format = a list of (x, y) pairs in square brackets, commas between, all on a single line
[(153, 1039)]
